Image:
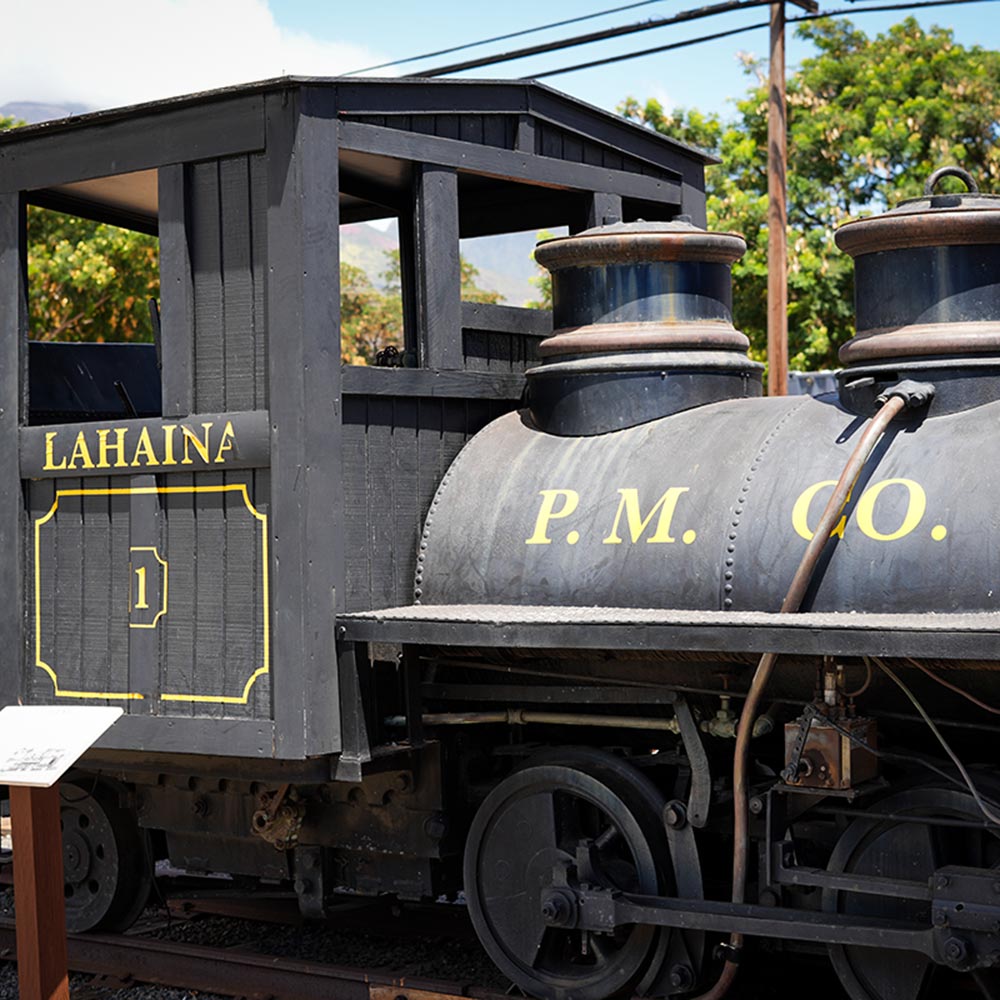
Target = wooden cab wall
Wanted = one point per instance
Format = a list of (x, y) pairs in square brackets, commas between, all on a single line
[(188, 564)]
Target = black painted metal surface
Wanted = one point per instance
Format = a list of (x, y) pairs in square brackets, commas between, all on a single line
[(939, 284), (581, 394), (926, 276), (643, 292), (711, 509), (643, 327)]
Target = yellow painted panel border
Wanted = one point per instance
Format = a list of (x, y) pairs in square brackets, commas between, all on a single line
[(242, 699)]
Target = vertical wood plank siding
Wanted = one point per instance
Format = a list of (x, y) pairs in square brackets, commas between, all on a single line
[(228, 250), (176, 293), (499, 351), (213, 635), (550, 140), (503, 338), (210, 641), (13, 380), (396, 450)]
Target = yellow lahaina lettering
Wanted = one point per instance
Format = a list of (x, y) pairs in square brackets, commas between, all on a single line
[(800, 512), (637, 524), (50, 461), (168, 444), (81, 452), (547, 513), (118, 447), (144, 453), (201, 447), (226, 442), (916, 505), (140, 601)]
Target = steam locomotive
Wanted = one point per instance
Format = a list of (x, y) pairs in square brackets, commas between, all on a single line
[(559, 617)]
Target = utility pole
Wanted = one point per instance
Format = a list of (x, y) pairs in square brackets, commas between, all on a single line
[(777, 203)]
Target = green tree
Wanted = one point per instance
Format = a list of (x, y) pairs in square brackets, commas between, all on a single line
[(868, 120), (88, 280), (371, 318), (471, 292), (542, 280)]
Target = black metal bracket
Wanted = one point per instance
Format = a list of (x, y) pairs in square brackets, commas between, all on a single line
[(310, 888), (354, 747), (965, 911), (409, 664), (701, 775)]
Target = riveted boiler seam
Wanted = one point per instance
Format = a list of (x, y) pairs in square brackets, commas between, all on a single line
[(726, 584)]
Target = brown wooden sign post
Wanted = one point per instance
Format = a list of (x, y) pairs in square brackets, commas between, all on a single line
[(38, 889), (38, 744)]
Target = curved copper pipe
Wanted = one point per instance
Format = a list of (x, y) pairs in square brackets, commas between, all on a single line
[(793, 601)]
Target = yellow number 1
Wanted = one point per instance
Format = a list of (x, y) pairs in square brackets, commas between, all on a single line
[(140, 604)]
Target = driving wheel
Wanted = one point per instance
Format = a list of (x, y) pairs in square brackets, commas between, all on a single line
[(907, 849), (539, 821)]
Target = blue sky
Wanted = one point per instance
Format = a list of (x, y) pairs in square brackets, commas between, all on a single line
[(704, 75), (106, 53)]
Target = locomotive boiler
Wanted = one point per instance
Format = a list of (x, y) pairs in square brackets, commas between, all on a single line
[(558, 618)]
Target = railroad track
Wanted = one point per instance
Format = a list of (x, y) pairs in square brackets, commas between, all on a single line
[(236, 973)]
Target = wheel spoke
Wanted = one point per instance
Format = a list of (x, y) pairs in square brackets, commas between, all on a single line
[(605, 838), (599, 949), (533, 819)]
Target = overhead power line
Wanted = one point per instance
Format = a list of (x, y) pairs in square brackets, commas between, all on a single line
[(598, 36), (865, 9), (503, 38)]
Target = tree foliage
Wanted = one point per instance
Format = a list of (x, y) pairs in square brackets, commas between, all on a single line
[(868, 120), (371, 318), (88, 280), (542, 279)]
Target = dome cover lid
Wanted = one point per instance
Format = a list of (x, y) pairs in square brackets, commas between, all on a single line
[(964, 219), (640, 242)]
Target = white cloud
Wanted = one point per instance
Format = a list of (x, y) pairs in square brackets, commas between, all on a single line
[(107, 53)]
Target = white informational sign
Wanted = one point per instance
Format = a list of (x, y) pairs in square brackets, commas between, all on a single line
[(40, 743)]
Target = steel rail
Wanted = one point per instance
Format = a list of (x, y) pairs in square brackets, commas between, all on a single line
[(236, 973)]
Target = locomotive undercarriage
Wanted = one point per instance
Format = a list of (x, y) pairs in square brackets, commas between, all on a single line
[(592, 800)]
